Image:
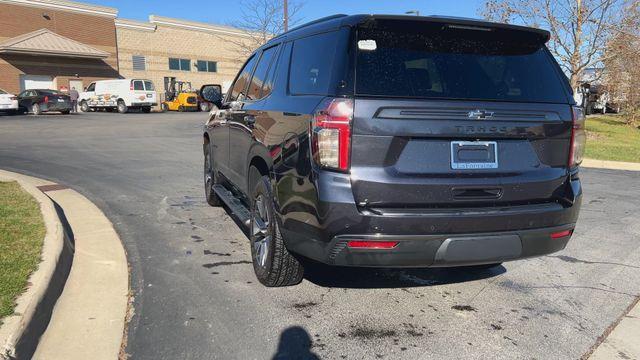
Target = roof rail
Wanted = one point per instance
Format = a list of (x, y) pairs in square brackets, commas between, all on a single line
[(326, 18)]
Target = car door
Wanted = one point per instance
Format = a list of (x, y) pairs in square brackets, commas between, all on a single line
[(139, 94), (219, 127), (89, 92), (242, 122), (25, 99)]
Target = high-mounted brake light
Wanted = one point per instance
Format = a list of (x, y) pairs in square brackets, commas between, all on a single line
[(365, 244), (331, 133), (578, 137)]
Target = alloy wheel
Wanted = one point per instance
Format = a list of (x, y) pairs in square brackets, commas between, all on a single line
[(208, 178), (260, 231)]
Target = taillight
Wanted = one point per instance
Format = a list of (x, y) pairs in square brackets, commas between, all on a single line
[(578, 137), (46, 99), (13, 98), (131, 86), (331, 133)]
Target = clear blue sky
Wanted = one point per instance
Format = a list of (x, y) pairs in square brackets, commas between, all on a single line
[(226, 11)]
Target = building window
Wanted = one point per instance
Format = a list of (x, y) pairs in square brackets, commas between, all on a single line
[(139, 62), (207, 66), (179, 64)]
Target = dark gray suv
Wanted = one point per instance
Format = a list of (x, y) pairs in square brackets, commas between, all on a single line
[(396, 141)]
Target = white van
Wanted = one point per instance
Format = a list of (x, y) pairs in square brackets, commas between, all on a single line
[(121, 95)]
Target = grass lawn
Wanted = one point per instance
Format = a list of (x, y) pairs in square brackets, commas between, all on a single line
[(21, 233), (609, 138)]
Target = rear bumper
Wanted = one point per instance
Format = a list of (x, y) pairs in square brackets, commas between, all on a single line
[(143, 104), (426, 237), (12, 106), (448, 250)]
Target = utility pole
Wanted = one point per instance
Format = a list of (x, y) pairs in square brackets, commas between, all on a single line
[(286, 15)]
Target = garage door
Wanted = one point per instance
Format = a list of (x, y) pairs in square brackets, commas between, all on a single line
[(35, 82)]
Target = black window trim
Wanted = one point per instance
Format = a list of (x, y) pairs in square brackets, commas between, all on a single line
[(230, 91), (275, 58)]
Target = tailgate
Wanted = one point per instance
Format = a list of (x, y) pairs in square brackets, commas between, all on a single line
[(402, 152)]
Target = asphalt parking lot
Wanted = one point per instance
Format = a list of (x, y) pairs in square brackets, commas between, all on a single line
[(196, 296)]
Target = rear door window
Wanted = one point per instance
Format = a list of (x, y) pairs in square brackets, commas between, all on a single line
[(260, 75), (148, 85), (312, 63), (138, 85), (436, 62)]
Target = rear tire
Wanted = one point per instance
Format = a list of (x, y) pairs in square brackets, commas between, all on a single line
[(146, 109), (65, 112), (210, 178), (273, 264), (35, 109), (122, 107)]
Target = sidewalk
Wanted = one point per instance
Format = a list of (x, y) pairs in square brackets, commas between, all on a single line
[(613, 165), (623, 341), (88, 320)]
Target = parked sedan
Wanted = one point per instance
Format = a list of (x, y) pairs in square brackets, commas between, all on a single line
[(38, 101), (8, 102)]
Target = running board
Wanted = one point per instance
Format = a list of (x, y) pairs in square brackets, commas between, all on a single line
[(234, 204)]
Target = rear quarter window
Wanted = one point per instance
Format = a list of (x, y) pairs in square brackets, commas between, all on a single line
[(312, 64)]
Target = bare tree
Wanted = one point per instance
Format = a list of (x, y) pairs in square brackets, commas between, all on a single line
[(579, 29), (622, 64), (261, 20)]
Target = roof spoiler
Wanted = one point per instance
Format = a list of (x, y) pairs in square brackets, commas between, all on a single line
[(541, 36)]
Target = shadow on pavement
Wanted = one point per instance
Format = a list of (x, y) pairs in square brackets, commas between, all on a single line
[(370, 278), (295, 343)]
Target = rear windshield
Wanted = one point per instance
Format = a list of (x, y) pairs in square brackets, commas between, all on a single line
[(435, 61), (49, 92), (2, 91)]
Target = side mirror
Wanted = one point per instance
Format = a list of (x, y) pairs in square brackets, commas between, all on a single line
[(212, 93)]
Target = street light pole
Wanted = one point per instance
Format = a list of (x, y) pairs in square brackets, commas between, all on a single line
[(286, 15)]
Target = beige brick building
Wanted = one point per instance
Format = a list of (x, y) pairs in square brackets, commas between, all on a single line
[(166, 48)]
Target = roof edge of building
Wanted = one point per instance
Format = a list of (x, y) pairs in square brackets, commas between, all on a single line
[(135, 25), (65, 5), (198, 26)]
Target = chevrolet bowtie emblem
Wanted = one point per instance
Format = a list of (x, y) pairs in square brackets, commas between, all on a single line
[(480, 114)]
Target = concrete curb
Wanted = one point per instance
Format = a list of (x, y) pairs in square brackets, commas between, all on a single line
[(612, 165), (620, 340), (88, 321), (20, 332)]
